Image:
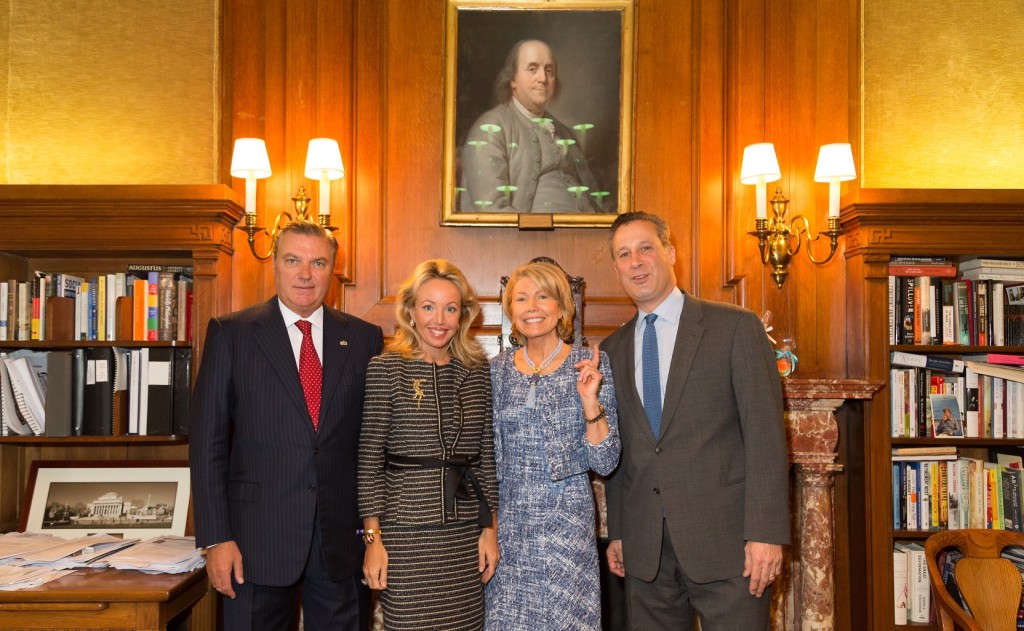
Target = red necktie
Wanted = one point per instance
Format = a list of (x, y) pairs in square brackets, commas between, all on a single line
[(310, 372)]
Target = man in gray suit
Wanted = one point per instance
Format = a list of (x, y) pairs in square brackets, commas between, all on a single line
[(698, 509), (276, 414), (518, 157)]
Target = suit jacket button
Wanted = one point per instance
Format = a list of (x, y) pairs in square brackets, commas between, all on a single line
[(311, 488), (657, 450), (657, 491), (316, 452)]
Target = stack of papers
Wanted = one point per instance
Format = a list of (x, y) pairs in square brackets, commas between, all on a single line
[(31, 559), (160, 555), (14, 578)]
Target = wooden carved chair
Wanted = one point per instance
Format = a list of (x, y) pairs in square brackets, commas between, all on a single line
[(989, 585)]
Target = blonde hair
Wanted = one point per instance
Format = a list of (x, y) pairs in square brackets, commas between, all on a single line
[(552, 280), (406, 341)]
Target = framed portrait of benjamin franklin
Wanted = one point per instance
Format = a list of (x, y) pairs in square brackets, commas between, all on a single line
[(538, 112)]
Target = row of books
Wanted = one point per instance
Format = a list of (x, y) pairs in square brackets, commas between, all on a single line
[(910, 582), (972, 396), (930, 304), (103, 391), (939, 491), (146, 302)]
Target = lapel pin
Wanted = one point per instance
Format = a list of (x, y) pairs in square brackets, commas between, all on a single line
[(343, 343)]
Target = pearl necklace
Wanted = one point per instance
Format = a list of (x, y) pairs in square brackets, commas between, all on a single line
[(535, 377)]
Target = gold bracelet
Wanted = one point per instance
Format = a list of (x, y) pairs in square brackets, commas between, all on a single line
[(368, 534), (600, 415)]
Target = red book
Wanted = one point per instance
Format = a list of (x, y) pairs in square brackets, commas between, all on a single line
[(1006, 359), (935, 271)]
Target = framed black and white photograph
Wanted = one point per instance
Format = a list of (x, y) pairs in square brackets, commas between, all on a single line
[(538, 111), (131, 499)]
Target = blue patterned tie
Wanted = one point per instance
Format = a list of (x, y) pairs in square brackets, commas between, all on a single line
[(651, 375)]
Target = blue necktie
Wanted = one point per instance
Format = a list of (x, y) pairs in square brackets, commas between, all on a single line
[(652, 375)]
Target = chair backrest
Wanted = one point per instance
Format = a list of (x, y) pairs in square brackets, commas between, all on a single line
[(990, 585)]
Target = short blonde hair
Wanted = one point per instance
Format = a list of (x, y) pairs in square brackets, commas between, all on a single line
[(552, 280), (406, 342)]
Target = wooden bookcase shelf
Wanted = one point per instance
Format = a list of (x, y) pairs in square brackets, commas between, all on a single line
[(94, 229), (881, 224)]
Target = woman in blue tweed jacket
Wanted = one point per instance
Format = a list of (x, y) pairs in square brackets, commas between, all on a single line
[(554, 420)]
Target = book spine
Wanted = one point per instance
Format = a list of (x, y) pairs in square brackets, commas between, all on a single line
[(991, 263), (3, 311), (908, 308), (167, 290), (934, 271), (152, 306), (963, 312), (916, 360)]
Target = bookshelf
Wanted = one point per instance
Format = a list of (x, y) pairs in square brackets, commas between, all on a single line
[(87, 230), (881, 224)]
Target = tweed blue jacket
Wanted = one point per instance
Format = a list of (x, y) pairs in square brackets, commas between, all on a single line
[(566, 448)]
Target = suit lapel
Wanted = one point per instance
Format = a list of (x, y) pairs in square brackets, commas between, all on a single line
[(335, 359), (688, 337), (272, 338), (625, 379)]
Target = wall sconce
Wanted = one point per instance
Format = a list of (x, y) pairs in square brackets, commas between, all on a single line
[(323, 163), (779, 239)]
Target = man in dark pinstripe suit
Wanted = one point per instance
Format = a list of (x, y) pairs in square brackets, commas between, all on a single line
[(274, 488)]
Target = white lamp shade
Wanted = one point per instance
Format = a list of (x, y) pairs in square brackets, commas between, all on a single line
[(759, 161), (324, 157), (249, 159), (835, 163)]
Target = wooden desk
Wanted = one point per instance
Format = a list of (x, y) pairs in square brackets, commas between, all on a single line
[(111, 599)]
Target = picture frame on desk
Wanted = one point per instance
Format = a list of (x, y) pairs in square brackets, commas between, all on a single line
[(131, 499)]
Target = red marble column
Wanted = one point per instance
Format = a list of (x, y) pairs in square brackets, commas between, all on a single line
[(805, 594)]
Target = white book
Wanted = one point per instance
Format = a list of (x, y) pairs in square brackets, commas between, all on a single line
[(920, 588), (900, 583), (133, 390), (78, 313), (24, 311), (953, 497), (111, 304), (4, 325), (144, 391), (1002, 264), (998, 413), (981, 273), (896, 402), (925, 296)]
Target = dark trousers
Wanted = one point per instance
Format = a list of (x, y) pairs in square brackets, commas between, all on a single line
[(326, 605), (672, 598)]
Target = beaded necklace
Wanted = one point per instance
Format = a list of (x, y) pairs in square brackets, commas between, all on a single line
[(535, 377)]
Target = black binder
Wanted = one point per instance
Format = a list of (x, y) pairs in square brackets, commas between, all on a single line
[(99, 392), (161, 387), (182, 389), (77, 391)]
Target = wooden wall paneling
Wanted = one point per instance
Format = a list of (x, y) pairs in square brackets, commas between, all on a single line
[(411, 167), (367, 167), (665, 149), (335, 86), (713, 248), (745, 52), (244, 54)]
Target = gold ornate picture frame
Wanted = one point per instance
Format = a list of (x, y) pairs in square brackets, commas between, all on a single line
[(507, 166)]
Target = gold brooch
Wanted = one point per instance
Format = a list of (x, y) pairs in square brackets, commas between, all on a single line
[(417, 391)]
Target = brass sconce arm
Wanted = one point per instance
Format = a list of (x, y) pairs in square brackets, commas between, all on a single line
[(301, 203), (779, 239)]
